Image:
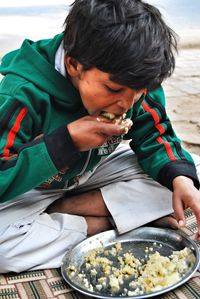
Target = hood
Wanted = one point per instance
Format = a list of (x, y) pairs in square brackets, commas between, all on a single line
[(35, 62)]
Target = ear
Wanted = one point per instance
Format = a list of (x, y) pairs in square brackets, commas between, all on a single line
[(73, 67)]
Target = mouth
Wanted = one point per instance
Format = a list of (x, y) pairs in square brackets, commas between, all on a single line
[(113, 117), (118, 120)]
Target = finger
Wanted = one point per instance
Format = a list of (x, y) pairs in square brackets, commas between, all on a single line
[(122, 127), (198, 221), (197, 236), (166, 221), (126, 123), (179, 211), (109, 129)]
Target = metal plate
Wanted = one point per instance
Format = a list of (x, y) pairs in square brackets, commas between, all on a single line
[(167, 240)]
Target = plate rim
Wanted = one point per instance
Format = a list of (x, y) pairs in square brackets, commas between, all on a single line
[(147, 295)]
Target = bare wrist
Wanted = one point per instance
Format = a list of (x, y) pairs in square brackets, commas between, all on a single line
[(181, 180)]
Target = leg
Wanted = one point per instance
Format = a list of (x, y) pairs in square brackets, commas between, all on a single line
[(40, 240), (136, 203), (166, 221), (97, 225), (86, 204), (127, 193), (130, 196), (90, 205)]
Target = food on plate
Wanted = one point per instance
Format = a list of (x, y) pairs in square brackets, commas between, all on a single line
[(114, 271)]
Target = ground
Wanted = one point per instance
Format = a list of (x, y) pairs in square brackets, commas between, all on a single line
[(182, 92)]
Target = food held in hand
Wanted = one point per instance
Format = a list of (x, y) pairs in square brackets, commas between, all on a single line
[(118, 120)]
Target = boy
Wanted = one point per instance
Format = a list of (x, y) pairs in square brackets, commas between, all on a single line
[(63, 175)]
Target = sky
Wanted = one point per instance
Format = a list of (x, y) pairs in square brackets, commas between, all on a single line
[(36, 19), (7, 3), (33, 19)]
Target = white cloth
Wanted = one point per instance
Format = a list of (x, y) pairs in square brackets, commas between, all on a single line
[(31, 239), (131, 196), (39, 242), (59, 60)]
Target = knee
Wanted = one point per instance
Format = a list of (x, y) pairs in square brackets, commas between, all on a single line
[(9, 265)]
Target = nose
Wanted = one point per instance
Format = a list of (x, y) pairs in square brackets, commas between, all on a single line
[(126, 103), (129, 99)]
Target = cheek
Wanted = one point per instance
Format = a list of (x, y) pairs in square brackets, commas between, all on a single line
[(88, 89), (89, 96), (92, 94)]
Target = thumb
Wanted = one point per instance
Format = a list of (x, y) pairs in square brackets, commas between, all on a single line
[(178, 210)]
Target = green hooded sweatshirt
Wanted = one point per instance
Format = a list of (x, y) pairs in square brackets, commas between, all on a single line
[(36, 150)]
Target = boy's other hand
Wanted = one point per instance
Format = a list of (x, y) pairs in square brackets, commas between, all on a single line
[(185, 195), (92, 131)]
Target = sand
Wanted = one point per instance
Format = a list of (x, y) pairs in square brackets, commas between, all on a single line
[(183, 98)]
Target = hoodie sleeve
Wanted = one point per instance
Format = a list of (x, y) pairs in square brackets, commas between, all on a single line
[(157, 147), (26, 161)]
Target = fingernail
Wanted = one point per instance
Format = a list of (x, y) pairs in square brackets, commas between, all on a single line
[(181, 223)]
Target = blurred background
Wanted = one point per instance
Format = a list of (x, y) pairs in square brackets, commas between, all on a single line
[(35, 19)]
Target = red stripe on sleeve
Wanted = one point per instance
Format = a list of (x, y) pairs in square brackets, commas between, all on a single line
[(13, 132), (145, 91), (153, 113), (167, 147), (161, 130)]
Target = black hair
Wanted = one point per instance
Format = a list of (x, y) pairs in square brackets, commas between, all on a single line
[(125, 38)]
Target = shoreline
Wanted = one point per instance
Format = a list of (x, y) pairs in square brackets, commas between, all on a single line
[(189, 46), (12, 42)]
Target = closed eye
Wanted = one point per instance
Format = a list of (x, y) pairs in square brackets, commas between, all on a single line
[(113, 90)]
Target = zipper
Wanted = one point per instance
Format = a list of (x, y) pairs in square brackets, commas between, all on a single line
[(86, 163)]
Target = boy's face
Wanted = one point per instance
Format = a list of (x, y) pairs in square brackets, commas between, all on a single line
[(98, 92)]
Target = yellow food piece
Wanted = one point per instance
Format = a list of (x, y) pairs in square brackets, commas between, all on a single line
[(117, 266)]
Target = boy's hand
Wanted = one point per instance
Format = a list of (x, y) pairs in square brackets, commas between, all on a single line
[(92, 131), (185, 195)]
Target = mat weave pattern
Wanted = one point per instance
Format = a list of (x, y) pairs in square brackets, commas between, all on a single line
[(49, 283)]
